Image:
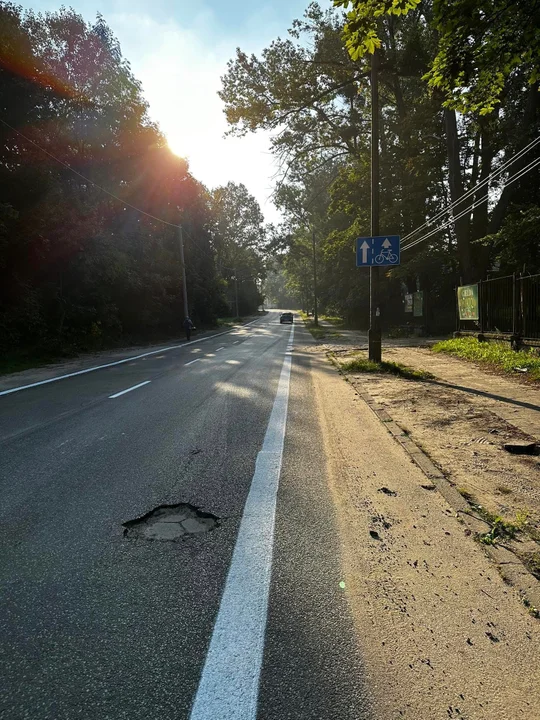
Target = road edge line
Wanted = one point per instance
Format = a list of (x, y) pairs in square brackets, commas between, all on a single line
[(229, 683), (119, 362)]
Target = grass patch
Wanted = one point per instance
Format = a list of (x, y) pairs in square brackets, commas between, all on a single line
[(19, 361), (496, 354), (361, 364), (469, 497), (318, 332), (333, 320), (500, 529), (229, 321)]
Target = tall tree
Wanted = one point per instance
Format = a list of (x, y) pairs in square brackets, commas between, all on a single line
[(485, 63), (239, 240), (80, 265)]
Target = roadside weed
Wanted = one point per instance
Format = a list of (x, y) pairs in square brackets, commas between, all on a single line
[(497, 354)]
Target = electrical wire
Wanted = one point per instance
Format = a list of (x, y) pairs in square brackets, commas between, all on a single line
[(223, 267), (99, 187), (477, 187), (474, 205), (107, 192)]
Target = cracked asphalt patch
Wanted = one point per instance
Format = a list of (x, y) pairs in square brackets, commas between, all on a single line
[(171, 522)]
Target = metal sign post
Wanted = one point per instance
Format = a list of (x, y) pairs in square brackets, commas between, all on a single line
[(374, 333)]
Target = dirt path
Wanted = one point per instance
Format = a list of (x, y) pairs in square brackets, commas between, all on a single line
[(514, 401), (442, 635), (462, 419)]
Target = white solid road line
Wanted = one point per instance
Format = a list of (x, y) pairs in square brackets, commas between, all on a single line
[(118, 362), (229, 684), (192, 361), (146, 382)]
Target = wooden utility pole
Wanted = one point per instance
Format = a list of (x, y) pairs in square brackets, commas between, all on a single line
[(236, 292), (315, 302), (374, 334), (184, 284)]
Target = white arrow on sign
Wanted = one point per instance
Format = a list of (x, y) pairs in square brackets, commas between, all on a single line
[(387, 244), (364, 247)]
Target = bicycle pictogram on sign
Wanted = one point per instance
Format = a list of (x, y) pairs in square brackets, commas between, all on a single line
[(381, 250)]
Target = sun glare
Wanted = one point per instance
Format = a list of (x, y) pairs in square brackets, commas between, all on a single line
[(176, 146)]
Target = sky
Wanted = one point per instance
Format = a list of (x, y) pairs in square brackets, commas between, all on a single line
[(179, 49)]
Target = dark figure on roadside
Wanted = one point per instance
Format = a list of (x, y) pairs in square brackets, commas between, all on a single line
[(188, 327)]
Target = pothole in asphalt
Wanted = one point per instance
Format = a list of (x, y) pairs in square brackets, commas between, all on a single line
[(171, 522)]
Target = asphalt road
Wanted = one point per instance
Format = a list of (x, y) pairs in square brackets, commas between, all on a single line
[(98, 625)]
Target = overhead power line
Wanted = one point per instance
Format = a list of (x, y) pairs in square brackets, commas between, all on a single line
[(514, 178), (104, 190), (474, 189), (86, 179)]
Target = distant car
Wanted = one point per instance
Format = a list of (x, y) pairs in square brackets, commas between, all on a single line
[(286, 317)]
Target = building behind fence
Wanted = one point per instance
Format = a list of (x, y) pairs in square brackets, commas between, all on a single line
[(504, 307)]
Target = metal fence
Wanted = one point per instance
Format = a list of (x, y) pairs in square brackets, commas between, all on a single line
[(508, 307), (529, 306)]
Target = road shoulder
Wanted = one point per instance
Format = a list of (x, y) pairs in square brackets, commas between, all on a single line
[(441, 633), (312, 668)]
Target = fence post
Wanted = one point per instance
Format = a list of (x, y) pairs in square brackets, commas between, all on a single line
[(514, 306), (515, 341), (481, 307)]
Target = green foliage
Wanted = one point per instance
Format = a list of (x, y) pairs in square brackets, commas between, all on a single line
[(500, 529), (482, 44), (363, 21), (313, 94), (276, 287), (239, 237), (496, 354), (303, 87), (517, 245), (79, 269)]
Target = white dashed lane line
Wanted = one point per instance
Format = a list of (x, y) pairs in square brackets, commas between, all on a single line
[(221, 348), (192, 361), (117, 362), (134, 387)]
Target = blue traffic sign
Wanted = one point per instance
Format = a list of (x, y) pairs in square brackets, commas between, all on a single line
[(383, 250)]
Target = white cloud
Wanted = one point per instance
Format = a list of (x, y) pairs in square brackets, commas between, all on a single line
[(180, 71)]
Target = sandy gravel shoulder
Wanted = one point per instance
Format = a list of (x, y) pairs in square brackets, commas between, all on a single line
[(441, 633), (462, 419)]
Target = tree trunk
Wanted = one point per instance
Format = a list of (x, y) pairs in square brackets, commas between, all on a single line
[(509, 192), (480, 220), (455, 181)]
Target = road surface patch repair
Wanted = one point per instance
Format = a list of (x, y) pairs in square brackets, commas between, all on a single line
[(171, 522)]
